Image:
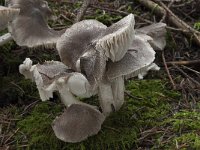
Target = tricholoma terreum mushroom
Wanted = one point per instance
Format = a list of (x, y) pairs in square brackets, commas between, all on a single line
[(95, 59)]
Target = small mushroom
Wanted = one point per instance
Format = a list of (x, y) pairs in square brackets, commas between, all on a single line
[(55, 76), (157, 32), (6, 15), (30, 28), (77, 123), (137, 60)]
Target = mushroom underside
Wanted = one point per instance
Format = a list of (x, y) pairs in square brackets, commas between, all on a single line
[(117, 38), (137, 59)]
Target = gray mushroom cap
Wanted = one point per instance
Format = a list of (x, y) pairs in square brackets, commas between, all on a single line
[(137, 59), (76, 49), (6, 15), (77, 40), (52, 70), (77, 123), (157, 32), (30, 28)]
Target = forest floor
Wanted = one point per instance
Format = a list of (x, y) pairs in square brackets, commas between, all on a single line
[(159, 113)]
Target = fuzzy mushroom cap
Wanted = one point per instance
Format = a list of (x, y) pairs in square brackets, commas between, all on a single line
[(138, 58), (77, 123), (6, 15), (77, 51), (30, 28), (77, 40)]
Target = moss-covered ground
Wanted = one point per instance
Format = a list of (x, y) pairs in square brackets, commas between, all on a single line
[(152, 117)]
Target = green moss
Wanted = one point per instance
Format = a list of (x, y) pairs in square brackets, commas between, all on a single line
[(121, 130), (104, 17)]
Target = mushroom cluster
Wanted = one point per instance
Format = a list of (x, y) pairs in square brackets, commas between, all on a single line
[(95, 60)]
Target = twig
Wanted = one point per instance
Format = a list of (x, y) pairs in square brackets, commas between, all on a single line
[(121, 12), (167, 70), (157, 9), (183, 62), (5, 38), (197, 72), (186, 75), (107, 127), (130, 95), (28, 107), (176, 29), (83, 9), (11, 136), (165, 14)]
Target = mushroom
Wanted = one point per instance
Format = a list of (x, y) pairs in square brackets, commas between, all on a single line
[(95, 60), (157, 32), (30, 27), (137, 60), (55, 76), (77, 123), (6, 15), (80, 120)]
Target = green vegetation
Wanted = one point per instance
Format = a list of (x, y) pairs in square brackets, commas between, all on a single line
[(197, 26), (121, 130)]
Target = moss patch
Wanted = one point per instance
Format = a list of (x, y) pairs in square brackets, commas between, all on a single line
[(121, 130)]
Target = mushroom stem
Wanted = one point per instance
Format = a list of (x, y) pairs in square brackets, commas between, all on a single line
[(118, 92), (5, 38), (67, 97), (111, 95), (106, 98)]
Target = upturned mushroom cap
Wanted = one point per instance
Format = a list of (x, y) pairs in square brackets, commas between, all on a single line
[(157, 32), (30, 28), (137, 60), (77, 123), (6, 15), (116, 39)]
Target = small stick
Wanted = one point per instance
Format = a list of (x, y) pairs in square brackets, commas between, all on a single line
[(183, 62), (131, 96), (11, 136), (167, 70), (197, 72), (160, 10), (185, 74), (5, 39), (83, 10), (165, 14), (121, 12)]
